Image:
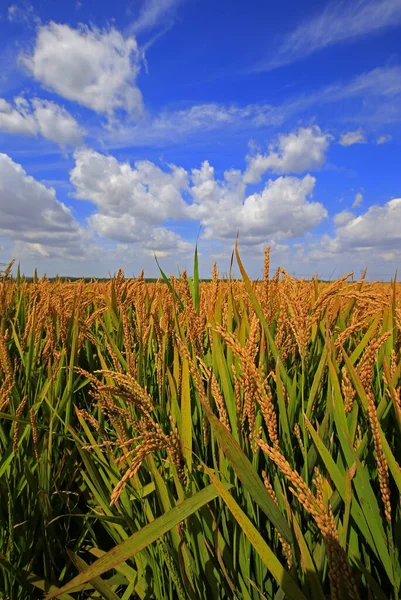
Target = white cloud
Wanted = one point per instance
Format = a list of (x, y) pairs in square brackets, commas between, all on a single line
[(96, 68), (382, 81), (40, 117), (377, 228), (279, 212), (17, 119), (145, 191), (23, 13), (379, 92), (152, 13), (370, 98), (383, 139), (338, 22), (172, 126), (343, 217), (31, 214), (133, 204), (295, 152), (358, 199), (126, 230), (352, 137), (164, 242), (376, 231), (12, 9), (388, 256), (208, 115), (56, 124)]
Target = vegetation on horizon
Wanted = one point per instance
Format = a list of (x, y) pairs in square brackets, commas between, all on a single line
[(190, 440)]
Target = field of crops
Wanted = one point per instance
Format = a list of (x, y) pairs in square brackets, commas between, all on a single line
[(187, 440)]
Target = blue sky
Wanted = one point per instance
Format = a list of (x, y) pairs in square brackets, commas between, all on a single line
[(128, 127)]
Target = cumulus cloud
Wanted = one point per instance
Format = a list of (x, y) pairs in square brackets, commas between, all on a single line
[(17, 118), (146, 192), (358, 199), (96, 68), (165, 242), (376, 231), (133, 203), (343, 217), (281, 211), (352, 137), (378, 227), (295, 152), (136, 204), (31, 214), (40, 117)]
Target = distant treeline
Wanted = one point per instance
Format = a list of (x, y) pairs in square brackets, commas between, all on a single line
[(65, 279), (99, 279)]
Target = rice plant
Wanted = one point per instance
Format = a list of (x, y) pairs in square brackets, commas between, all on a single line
[(188, 440)]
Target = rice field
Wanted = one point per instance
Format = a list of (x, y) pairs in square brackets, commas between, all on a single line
[(200, 440)]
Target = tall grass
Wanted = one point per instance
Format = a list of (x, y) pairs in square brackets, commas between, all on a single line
[(191, 440)]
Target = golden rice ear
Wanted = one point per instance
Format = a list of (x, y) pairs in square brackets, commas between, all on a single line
[(250, 428)]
